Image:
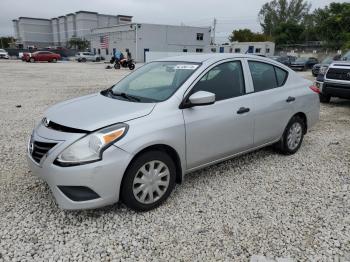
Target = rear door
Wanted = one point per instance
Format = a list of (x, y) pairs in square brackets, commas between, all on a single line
[(216, 131), (46, 56), (273, 101)]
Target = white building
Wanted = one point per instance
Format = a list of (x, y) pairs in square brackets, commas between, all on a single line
[(58, 31), (140, 38), (258, 48)]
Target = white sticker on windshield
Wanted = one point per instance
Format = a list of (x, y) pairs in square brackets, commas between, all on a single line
[(185, 67)]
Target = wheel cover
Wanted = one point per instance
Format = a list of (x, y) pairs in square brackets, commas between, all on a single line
[(151, 182), (294, 136)]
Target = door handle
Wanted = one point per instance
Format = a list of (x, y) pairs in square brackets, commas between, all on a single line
[(290, 99), (243, 110)]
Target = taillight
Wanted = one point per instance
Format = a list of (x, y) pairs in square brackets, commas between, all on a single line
[(315, 89)]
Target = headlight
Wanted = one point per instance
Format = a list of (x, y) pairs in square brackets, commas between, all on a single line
[(323, 70), (90, 148)]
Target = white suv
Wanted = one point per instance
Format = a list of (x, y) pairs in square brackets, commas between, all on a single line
[(87, 56)]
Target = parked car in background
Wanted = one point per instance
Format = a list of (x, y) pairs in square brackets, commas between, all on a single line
[(4, 54), (336, 81), (346, 56), (286, 60), (304, 63), (87, 56), (325, 63), (42, 56), (133, 141)]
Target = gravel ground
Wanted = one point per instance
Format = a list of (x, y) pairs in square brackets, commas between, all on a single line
[(258, 206)]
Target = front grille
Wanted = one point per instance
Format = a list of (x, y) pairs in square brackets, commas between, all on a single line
[(40, 149), (338, 74)]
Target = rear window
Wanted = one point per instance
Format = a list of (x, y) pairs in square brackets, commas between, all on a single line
[(281, 76), (266, 76)]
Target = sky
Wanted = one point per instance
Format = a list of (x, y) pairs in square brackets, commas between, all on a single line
[(230, 14)]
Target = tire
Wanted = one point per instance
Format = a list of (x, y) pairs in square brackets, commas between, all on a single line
[(324, 98), (54, 60), (132, 192), (295, 129), (98, 59), (117, 66), (83, 60), (32, 60), (131, 66)]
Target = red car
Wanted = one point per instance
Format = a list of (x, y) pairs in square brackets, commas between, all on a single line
[(42, 56)]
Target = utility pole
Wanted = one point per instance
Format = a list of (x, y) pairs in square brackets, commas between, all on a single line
[(214, 29)]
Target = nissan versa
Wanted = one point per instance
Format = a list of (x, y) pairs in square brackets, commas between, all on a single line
[(133, 141)]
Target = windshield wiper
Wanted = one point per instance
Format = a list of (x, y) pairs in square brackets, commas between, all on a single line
[(126, 96)]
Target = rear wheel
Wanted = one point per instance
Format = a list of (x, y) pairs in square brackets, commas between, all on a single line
[(292, 137), (83, 60), (98, 59), (324, 98), (148, 181), (54, 60)]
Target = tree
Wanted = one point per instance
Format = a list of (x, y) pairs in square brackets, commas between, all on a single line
[(6, 41), (288, 33), (246, 35), (78, 43), (332, 23), (275, 12)]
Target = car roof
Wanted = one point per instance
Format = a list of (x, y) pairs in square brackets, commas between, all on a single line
[(200, 58)]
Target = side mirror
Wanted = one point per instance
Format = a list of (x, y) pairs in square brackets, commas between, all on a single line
[(201, 98)]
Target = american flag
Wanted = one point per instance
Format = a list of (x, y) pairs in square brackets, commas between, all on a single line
[(104, 41)]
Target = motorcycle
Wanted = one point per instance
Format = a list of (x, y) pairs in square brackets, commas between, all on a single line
[(125, 63)]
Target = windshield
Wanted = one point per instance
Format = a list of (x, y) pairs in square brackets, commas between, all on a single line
[(327, 60), (346, 56), (154, 82), (301, 59)]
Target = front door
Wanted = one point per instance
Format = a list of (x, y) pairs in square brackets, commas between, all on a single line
[(216, 131)]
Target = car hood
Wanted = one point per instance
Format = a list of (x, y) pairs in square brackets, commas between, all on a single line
[(3, 53), (95, 111)]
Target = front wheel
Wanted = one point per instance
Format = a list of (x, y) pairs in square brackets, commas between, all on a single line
[(292, 136), (32, 60), (131, 66), (148, 181), (117, 66)]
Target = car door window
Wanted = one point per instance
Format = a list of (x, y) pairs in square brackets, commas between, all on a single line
[(281, 76), (266, 76), (225, 81)]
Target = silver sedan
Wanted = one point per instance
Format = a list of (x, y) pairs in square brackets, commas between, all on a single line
[(134, 141)]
